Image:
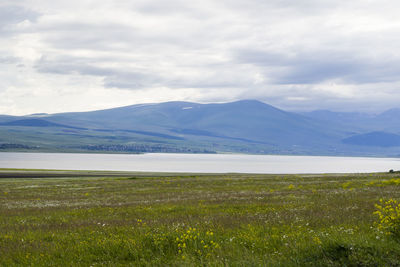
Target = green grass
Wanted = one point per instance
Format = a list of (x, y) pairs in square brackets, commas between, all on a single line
[(192, 220)]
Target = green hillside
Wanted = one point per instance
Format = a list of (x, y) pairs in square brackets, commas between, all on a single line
[(246, 126)]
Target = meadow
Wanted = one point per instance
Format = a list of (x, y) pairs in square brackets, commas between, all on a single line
[(50, 218)]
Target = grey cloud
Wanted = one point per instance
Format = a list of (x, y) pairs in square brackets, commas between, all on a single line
[(306, 67), (113, 78), (131, 78), (67, 66), (278, 51), (148, 79), (127, 38), (260, 57), (310, 72), (164, 8), (8, 60), (262, 6), (13, 14), (80, 35), (147, 25)]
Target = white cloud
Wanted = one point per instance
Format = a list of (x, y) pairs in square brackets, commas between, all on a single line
[(308, 54)]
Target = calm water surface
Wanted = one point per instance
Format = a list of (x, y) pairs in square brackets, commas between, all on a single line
[(213, 163)]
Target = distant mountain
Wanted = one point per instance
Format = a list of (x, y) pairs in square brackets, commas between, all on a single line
[(390, 114), (353, 122), (248, 121), (380, 139), (247, 126), (4, 118), (389, 120), (356, 122), (36, 123)]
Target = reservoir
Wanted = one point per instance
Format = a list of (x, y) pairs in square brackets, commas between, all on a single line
[(198, 163)]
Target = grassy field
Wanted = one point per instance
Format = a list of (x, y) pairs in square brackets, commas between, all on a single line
[(119, 219)]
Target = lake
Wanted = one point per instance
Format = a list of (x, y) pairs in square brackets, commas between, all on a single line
[(211, 163)]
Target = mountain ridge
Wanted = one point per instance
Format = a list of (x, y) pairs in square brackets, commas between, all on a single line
[(246, 126)]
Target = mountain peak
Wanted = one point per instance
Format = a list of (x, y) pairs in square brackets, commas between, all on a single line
[(249, 101)]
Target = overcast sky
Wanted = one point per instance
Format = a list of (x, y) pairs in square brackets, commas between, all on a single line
[(80, 55)]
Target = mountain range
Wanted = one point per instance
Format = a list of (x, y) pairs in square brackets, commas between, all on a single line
[(246, 126)]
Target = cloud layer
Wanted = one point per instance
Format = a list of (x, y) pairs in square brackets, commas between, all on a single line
[(79, 55)]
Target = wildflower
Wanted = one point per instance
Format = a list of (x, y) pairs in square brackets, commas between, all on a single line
[(389, 217), (317, 240)]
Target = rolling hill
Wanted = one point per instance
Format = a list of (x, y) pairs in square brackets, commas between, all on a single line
[(247, 126), (379, 139)]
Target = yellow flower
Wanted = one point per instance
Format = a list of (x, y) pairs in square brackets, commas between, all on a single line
[(317, 240)]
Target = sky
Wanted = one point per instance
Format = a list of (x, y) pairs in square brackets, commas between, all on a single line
[(78, 55)]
